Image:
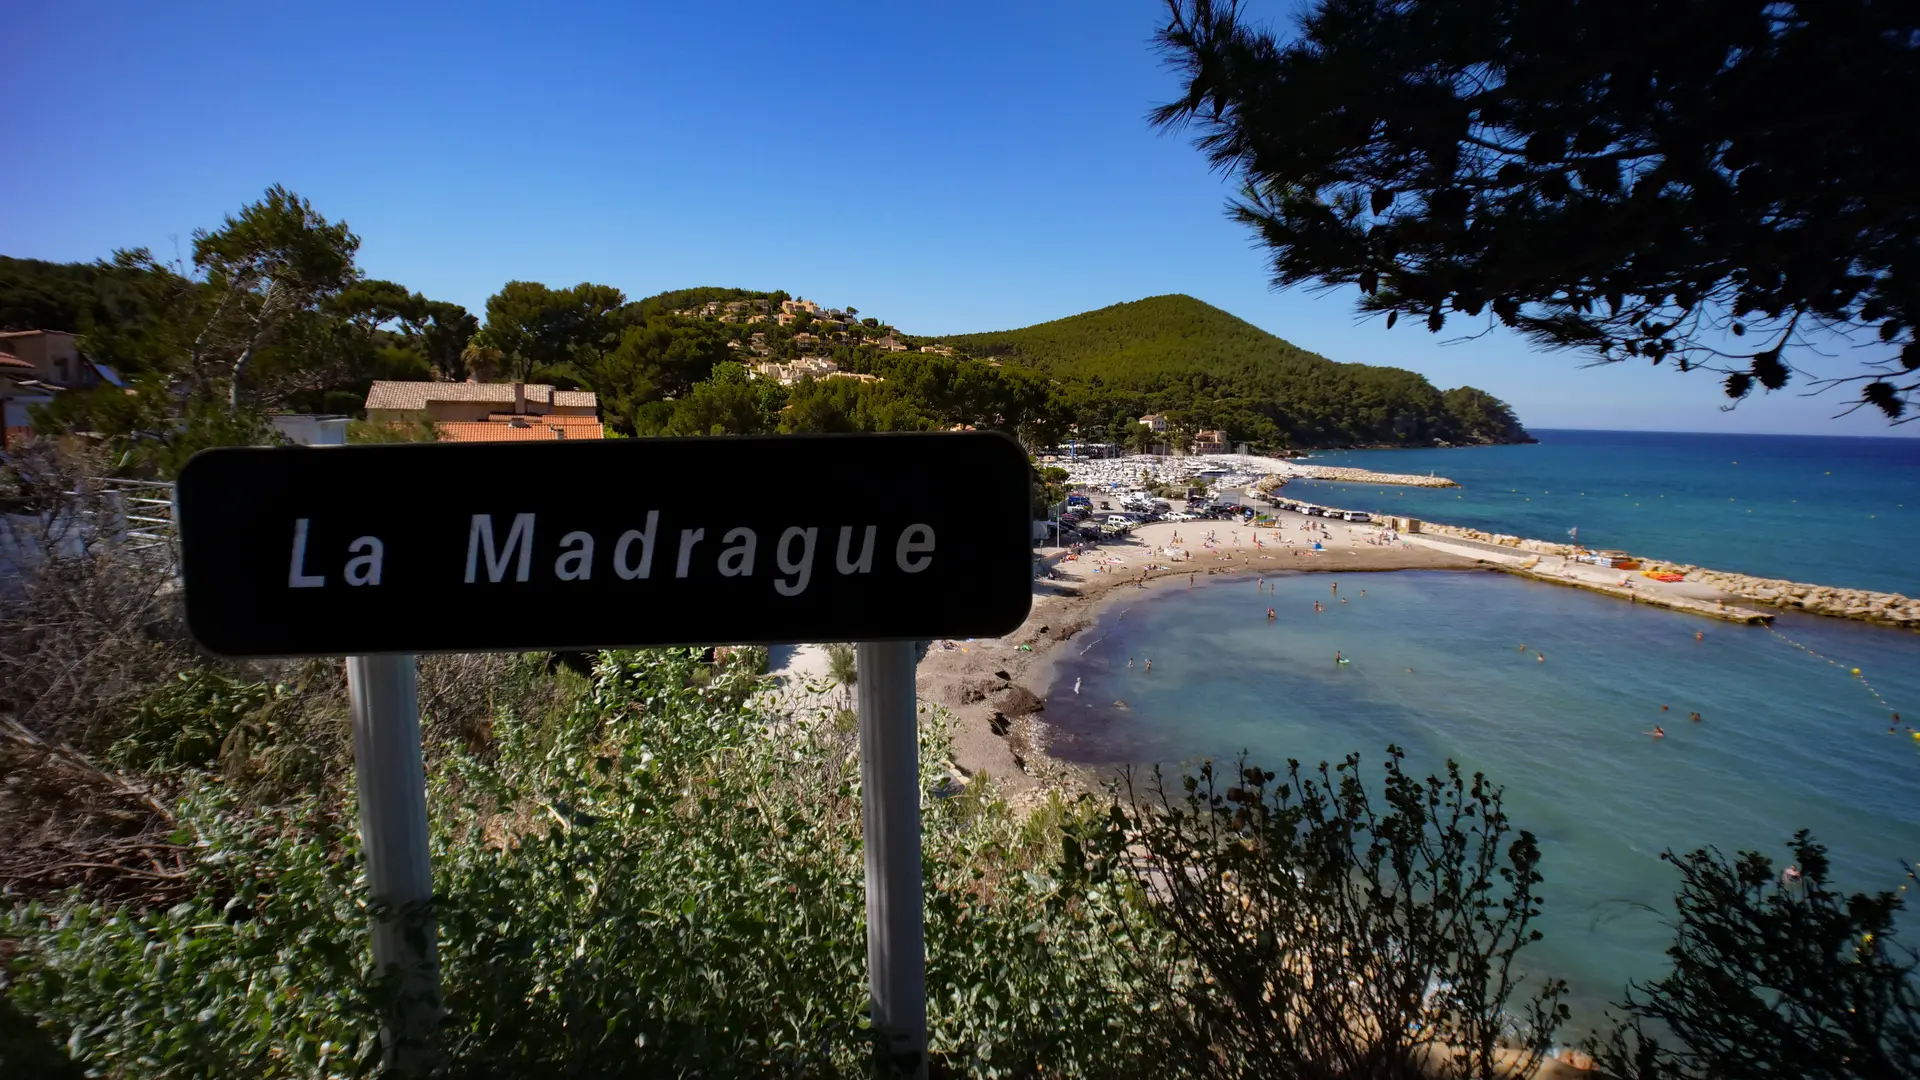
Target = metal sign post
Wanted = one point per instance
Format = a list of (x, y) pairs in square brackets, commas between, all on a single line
[(392, 783), (890, 816)]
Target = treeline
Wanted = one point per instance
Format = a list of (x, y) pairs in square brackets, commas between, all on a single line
[(271, 312)]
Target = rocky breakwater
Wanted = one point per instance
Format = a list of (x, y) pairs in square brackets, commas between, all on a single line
[(1343, 475), (1518, 543), (1890, 609)]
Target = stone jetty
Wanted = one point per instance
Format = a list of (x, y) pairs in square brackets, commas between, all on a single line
[(1888, 609), (1891, 609), (1345, 475)]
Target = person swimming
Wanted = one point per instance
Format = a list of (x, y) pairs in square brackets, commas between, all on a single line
[(1658, 732), (1694, 716), (1337, 658), (1542, 657), (1149, 665), (1270, 615)]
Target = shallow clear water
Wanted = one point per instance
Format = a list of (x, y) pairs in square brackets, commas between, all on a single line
[(1787, 742), (1833, 511)]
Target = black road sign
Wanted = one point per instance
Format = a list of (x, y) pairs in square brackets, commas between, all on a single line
[(465, 548)]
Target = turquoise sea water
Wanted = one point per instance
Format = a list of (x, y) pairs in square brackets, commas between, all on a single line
[(1788, 741), (1833, 511)]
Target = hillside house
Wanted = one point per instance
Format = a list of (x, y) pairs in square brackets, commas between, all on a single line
[(816, 367), (36, 365), (890, 343), (488, 412), (1210, 442), (1154, 422), (937, 350)]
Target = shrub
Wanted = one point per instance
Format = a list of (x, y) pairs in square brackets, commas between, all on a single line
[(1772, 979), (84, 621), (1327, 932)]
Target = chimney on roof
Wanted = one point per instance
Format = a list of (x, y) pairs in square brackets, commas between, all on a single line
[(519, 398)]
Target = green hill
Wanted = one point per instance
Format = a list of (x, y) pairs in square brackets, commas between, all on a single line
[(1206, 368)]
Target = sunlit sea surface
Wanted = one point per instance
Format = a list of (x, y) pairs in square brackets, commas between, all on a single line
[(1788, 740), (1833, 511)]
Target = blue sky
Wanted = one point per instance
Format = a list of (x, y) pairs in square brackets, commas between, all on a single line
[(948, 167)]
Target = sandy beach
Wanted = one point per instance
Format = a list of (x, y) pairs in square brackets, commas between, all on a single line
[(995, 688)]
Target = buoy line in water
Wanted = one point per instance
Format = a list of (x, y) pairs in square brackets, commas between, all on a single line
[(1854, 671)]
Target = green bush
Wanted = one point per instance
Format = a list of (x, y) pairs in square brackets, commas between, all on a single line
[(186, 722), (1774, 979), (1331, 928), (658, 882)]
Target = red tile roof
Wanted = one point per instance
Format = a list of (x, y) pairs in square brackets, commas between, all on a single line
[(538, 429)]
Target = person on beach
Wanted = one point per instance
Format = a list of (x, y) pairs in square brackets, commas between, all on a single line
[(1189, 581), (1076, 686)]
